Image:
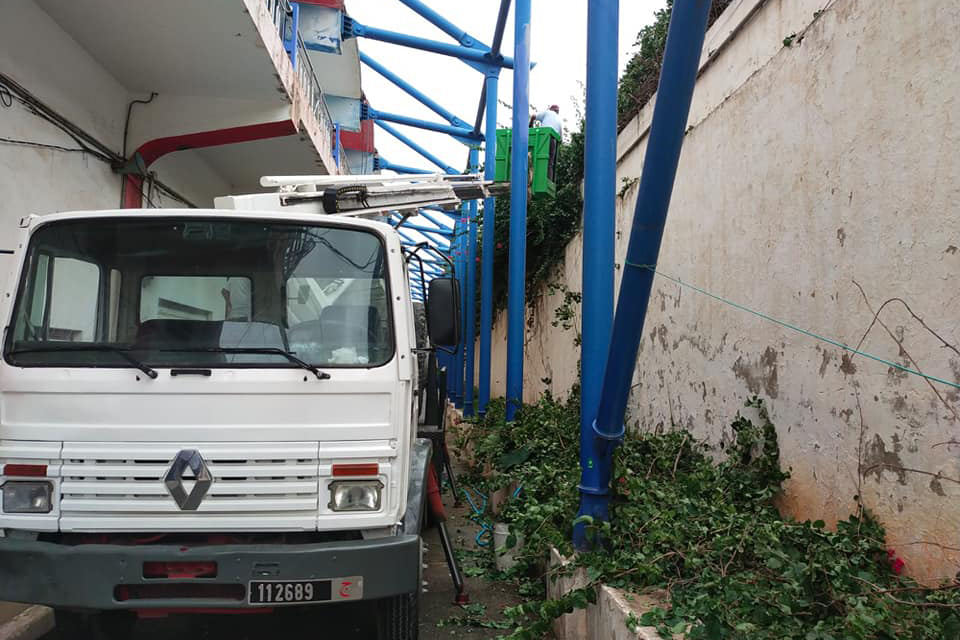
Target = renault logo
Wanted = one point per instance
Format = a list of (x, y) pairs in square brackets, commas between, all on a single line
[(192, 460)]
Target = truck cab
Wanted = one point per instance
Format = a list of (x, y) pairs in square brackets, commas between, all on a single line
[(210, 410)]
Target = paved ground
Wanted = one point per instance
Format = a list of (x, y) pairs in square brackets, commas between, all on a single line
[(356, 622)]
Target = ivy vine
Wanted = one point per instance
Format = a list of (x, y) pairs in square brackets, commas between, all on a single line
[(701, 526)]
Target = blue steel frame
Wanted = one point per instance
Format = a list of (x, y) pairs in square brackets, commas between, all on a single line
[(412, 91), (599, 228), (516, 278), (463, 245), (416, 147), (469, 339), (603, 405), (478, 58), (368, 112), (486, 268), (380, 163), (680, 62), (488, 105)]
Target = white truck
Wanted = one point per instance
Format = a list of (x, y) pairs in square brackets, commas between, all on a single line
[(211, 410)]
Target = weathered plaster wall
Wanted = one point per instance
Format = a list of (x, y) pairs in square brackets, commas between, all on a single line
[(819, 183), (37, 53)]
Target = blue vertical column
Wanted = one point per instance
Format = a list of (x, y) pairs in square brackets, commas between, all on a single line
[(677, 78), (457, 373), (599, 224), (516, 279), (469, 338), (489, 245)]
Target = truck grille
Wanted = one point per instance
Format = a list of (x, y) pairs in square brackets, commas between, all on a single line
[(255, 487)]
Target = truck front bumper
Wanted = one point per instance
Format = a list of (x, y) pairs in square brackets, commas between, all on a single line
[(93, 576)]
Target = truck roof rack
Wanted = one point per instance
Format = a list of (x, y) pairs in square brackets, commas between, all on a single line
[(374, 195)]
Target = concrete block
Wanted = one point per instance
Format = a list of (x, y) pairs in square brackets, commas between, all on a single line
[(607, 619), (561, 578), (24, 622)]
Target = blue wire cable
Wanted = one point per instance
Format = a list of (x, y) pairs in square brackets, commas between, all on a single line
[(486, 531), (787, 325)]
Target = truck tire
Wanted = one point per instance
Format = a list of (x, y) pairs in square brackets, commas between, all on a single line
[(70, 624), (103, 625), (398, 617)]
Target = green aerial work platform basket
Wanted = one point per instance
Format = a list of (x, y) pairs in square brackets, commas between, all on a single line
[(543, 148)]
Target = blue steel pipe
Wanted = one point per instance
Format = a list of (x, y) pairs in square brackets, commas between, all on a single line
[(469, 340), (439, 222), (386, 165), (460, 263), (466, 54), (599, 225), (413, 91), (386, 116), (677, 78), (414, 241), (516, 279), (416, 147), (486, 269), (495, 50), (427, 267), (445, 25), (439, 242), (412, 244), (422, 229)]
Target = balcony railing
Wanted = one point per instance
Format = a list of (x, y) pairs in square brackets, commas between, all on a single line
[(284, 16)]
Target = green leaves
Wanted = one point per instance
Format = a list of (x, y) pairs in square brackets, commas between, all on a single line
[(704, 529), (513, 458)]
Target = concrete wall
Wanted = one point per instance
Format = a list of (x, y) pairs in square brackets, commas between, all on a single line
[(37, 53), (818, 184)]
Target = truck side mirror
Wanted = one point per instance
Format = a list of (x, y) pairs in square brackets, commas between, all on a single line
[(443, 312)]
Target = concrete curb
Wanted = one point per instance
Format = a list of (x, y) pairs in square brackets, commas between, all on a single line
[(607, 619), (29, 624)]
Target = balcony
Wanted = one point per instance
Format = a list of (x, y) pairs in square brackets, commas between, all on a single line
[(236, 88)]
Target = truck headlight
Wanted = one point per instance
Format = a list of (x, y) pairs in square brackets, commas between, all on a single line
[(355, 495), (27, 497)]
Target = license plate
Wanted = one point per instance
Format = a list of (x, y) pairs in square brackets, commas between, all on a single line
[(283, 592)]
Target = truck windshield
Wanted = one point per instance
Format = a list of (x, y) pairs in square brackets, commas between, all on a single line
[(201, 292)]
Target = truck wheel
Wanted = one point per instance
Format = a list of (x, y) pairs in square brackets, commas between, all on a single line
[(114, 625), (71, 625), (103, 625), (398, 617)]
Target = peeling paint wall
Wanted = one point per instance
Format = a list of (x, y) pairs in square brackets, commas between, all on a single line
[(819, 184)]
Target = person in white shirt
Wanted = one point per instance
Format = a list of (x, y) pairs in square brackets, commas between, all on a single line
[(237, 296), (549, 118)]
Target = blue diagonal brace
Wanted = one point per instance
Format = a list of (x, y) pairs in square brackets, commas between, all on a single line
[(476, 58), (435, 220), (380, 163), (422, 229), (414, 243), (423, 98), (416, 147), (445, 25), (437, 243), (408, 241), (467, 135)]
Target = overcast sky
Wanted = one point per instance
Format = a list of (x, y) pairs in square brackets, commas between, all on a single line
[(558, 46)]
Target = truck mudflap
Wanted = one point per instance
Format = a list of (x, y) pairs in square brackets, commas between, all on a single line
[(420, 455), (100, 576)]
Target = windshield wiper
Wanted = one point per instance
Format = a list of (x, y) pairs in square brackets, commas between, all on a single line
[(123, 353), (321, 375)]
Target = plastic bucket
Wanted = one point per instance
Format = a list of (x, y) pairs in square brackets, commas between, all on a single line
[(504, 558)]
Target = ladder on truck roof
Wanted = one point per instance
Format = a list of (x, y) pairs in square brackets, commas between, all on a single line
[(376, 195)]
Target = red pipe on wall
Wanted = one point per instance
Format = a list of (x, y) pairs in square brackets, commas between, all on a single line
[(151, 151)]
